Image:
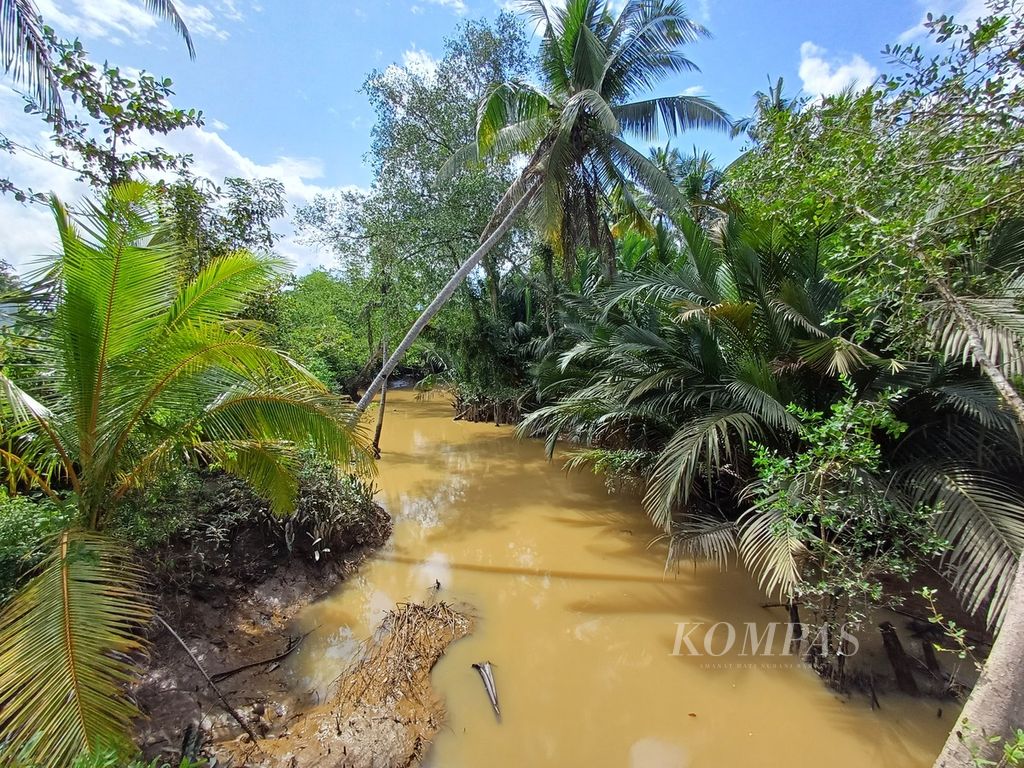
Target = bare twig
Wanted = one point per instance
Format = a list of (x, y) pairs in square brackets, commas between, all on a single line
[(227, 705), (220, 676)]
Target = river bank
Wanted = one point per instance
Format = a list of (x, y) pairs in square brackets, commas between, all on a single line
[(565, 591), (233, 603)]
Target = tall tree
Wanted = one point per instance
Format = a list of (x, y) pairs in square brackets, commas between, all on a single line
[(97, 138), (401, 241), (572, 131)]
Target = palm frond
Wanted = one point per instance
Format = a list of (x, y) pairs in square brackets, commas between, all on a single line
[(702, 446), (218, 292), (25, 53), (771, 547), (702, 538), (1000, 322), (981, 515), (670, 115), (504, 105), (166, 10), (65, 643)]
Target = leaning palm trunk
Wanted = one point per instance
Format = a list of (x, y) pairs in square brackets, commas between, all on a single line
[(978, 351), (442, 298), (995, 708)]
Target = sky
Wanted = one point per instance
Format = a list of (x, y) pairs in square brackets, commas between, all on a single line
[(279, 81)]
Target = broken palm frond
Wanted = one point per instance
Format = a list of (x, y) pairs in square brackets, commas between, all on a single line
[(487, 675), (223, 700)]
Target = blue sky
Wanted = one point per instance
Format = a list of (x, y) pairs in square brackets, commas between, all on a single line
[(278, 81)]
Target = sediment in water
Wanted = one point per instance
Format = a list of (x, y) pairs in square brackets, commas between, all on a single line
[(384, 712)]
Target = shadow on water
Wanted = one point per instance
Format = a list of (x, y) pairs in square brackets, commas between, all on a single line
[(580, 619)]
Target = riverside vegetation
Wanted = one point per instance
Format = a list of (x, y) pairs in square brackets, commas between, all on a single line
[(808, 361)]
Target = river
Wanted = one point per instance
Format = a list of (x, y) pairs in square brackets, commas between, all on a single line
[(580, 620)]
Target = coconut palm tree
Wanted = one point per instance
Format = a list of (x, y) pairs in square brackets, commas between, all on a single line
[(698, 179), (766, 103), (26, 56), (573, 130), (138, 373)]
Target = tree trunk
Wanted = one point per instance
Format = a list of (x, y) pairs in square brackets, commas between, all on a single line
[(383, 405), (548, 256), (996, 705), (440, 300), (898, 659), (354, 384), (974, 339)]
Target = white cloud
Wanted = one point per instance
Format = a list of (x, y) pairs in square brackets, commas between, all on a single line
[(120, 20), (964, 11), (419, 62), (28, 230), (458, 6), (704, 11), (415, 60), (200, 20), (823, 77), (694, 90)]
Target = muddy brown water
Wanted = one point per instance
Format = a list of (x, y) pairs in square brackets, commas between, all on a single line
[(579, 619)]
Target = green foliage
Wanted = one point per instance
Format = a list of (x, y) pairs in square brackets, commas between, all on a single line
[(210, 221), (919, 171), (97, 137), (335, 512), (398, 244), (26, 525), (1010, 749), (139, 374), (625, 468), (953, 631), (202, 514), (108, 758), (150, 516), (144, 373), (26, 57), (66, 644), (837, 529), (572, 129), (318, 316), (693, 358)]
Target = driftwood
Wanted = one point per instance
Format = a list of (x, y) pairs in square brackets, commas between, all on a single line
[(383, 711), (220, 676), (227, 705), (487, 676)]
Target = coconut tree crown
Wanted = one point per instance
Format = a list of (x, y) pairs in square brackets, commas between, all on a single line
[(574, 129)]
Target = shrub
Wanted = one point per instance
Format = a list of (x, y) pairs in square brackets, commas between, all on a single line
[(25, 524), (174, 503), (218, 520), (335, 510)]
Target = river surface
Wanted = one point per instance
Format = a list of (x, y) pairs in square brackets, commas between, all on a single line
[(578, 617)]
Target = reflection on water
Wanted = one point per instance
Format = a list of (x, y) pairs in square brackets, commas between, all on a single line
[(579, 622)]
